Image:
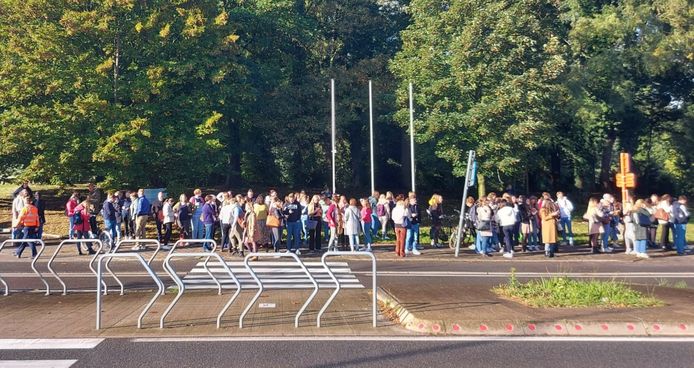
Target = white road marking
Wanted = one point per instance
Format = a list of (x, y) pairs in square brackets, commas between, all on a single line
[(37, 363), (48, 344), (416, 339), (629, 275)]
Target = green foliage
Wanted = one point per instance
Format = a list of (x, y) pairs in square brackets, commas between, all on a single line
[(563, 292)]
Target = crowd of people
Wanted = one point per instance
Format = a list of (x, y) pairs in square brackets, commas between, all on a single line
[(248, 222)]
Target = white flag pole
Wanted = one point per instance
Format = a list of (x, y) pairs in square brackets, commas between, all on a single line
[(412, 138), (371, 136), (332, 120)]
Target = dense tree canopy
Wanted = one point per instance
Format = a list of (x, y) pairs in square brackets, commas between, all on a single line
[(183, 93)]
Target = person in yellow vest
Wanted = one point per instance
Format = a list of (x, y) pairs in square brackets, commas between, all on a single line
[(28, 221)]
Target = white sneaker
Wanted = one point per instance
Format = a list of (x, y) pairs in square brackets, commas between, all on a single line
[(368, 248), (607, 250), (407, 252), (642, 255), (471, 247), (501, 250), (135, 247), (416, 252), (166, 247), (508, 255), (298, 252)]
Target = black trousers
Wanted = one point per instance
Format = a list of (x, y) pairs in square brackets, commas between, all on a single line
[(314, 235)]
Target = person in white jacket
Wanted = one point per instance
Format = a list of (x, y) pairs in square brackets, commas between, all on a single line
[(168, 220), (506, 218), (565, 209)]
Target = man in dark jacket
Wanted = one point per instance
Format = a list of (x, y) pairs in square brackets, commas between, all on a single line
[(292, 213), (108, 212)]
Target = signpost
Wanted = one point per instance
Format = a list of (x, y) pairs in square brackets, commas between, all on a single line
[(625, 179), (412, 137), (332, 126), (470, 173), (371, 137)]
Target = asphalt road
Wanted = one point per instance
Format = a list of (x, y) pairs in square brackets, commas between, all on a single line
[(420, 352)]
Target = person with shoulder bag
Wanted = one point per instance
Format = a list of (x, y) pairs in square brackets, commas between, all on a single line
[(642, 220), (680, 218)]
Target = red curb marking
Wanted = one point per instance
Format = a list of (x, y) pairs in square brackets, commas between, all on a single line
[(509, 327), (456, 327), (558, 327), (578, 327), (483, 328), (604, 327), (531, 327), (656, 327), (436, 327), (630, 327), (421, 326), (683, 327)]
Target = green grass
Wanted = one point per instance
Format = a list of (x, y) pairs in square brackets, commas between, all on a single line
[(564, 292)]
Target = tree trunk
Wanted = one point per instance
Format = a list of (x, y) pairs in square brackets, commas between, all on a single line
[(481, 186), (233, 173), (606, 164)]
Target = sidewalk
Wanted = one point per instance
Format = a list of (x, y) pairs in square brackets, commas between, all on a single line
[(469, 309), (33, 315)]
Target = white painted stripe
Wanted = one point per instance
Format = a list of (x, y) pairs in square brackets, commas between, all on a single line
[(416, 338), (274, 286), (48, 344), (274, 264), (37, 363), (635, 275)]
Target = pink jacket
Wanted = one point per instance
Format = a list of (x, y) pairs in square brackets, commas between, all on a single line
[(84, 226), (70, 206)]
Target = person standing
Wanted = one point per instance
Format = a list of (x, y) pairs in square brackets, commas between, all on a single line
[(196, 203), (331, 219), (209, 219), (261, 212), (169, 218), (142, 212), (484, 227), (225, 217), (292, 214), (28, 222), (182, 213), (642, 220), (412, 238), (382, 213), (252, 231), (651, 206), (70, 206), (375, 222), (629, 229), (81, 227), (680, 218), (157, 213), (118, 205), (367, 219), (108, 212), (435, 214), (401, 219), (237, 225), (303, 201), (565, 209), (662, 213), (352, 225), (24, 186), (315, 217), (274, 221), (549, 214), (506, 218), (17, 205), (126, 215), (40, 204), (94, 198), (594, 217)]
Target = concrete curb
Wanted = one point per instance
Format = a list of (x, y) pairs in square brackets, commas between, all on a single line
[(395, 310)]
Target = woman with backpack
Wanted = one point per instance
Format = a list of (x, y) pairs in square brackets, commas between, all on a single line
[(70, 206), (81, 227)]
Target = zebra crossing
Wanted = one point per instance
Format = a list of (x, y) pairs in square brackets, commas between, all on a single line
[(273, 275), (46, 346)]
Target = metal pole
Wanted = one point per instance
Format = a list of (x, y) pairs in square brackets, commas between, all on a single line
[(412, 137), (470, 158), (332, 119), (371, 136)]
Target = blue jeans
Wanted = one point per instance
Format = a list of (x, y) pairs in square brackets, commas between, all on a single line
[(375, 225), (366, 227), (304, 227), (565, 223), (28, 233), (209, 234), (606, 235), (39, 232), (198, 227), (70, 232), (679, 232), (640, 246), (110, 227), (482, 243), (412, 239), (293, 236)]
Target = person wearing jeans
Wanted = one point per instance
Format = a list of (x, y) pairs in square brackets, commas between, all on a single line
[(412, 240), (680, 218), (352, 224), (292, 214), (209, 219), (196, 203), (506, 218), (642, 220), (565, 209), (142, 211), (28, 222), (484, 228), (108, 211)]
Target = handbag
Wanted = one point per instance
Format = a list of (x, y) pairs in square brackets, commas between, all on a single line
[(272, 221), (660, 214), (406, 223)]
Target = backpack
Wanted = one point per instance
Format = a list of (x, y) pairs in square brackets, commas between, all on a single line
[(381, 210), (77, 218)]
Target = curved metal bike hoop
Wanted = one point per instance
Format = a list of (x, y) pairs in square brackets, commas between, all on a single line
[(99, 280), (33, 261), (339, 287), (204, 265), (181, 286), (130, 241), (261, 288), (73, 241)]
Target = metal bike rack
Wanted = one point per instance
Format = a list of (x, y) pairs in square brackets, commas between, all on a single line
[(339, 287), (33, 261), (182, 287), (261, 288), (207, 255), (74, 241), (99, 280), (131, 241)]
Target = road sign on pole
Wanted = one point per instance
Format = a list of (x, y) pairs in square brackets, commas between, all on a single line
[(625, 179)]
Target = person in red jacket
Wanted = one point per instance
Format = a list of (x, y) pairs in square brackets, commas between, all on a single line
[(28, 221), (70, 206), (331, 218), (81, 227)]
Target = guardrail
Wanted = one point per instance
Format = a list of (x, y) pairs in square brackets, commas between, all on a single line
[(261, 287), (91, 262), (33, 261), (99, 281), (182, 285), (131, 241), (338, 286)]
